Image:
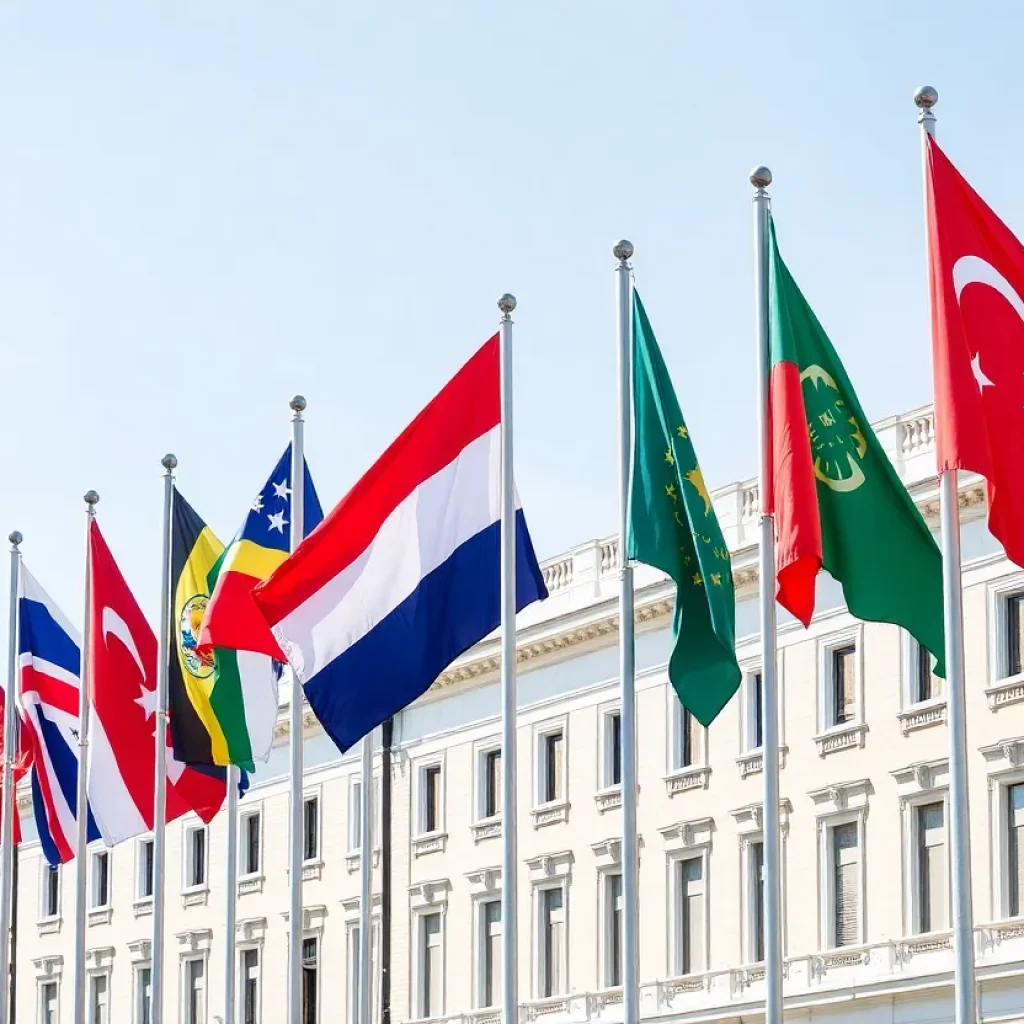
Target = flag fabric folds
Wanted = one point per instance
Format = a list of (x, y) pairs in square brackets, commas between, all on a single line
[(838, 502), (244, 695), (21, 760), (403, 575), (976, 268), (672, 526)]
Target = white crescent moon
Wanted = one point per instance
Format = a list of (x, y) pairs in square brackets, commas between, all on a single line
[(113, 623), (974, 270)]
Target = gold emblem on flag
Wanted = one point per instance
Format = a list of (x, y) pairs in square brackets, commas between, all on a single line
[(198, 665), (837, 442)]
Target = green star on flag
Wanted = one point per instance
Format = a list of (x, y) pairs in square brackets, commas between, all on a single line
[(673, 527)]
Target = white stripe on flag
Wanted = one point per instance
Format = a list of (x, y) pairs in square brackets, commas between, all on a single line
[(113, 807), (259, 695)]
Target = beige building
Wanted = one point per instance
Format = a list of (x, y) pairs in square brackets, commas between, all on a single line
[(865, 844)]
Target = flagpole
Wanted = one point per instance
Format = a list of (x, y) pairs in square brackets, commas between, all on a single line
[(298, 406), (163, 637), (231, 896), (761, 178), (509, 835), (964, 981), (627, 669), (10, 803), (82, 797), (365, 1004)]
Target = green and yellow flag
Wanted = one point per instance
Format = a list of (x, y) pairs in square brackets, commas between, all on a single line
[(673, 527)]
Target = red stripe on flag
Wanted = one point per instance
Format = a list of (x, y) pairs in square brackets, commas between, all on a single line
[(466, 408), (57, 694), (793, 495), (240, 626)]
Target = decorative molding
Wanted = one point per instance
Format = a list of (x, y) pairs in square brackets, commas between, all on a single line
[(489, 828), (608, 852), (686, 835), (550, 814), (49, 926), (100, 915), (48, 967), (144, 908), (312, 870), (752, 762), (254, 883), (251, 929), (100, 958), (550, 865), (424, 895), (484, 881), (922, 716), (312, 917), (844, 737), (685, 779), (1005, 692), (750, 819), (432, 842), (195, 897), (196, 941), (141, 950), (352, 859), (841, 796), (608, 799), (921, 777)]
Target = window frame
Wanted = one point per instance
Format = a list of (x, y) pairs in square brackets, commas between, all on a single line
[(834, 736), (316, 938), (550, 871), (352, 954), (138, 991), (355, 785), (188, 858), (481, 750), (241, 949), (140, 871), (202, 957), (480, 905), (41, 985), (606, 756), (46, 871), (1005, 770), (423, 767), (97, 855), (245, 871), (92, 976), (426, 899), (315, 796)]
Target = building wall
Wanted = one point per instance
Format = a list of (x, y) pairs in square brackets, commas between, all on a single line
[(874, 773)]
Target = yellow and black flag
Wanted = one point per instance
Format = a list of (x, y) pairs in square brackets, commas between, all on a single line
[(196, 734)]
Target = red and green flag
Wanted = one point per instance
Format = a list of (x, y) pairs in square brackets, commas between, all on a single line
[(673, 527), (838, 502)]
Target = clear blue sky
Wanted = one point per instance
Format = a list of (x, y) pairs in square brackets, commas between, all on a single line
[(208, 206)]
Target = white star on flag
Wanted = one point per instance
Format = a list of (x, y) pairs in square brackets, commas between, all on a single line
[(979, 373), (147, 701), (281, 490), (277, 521), (257, 505)]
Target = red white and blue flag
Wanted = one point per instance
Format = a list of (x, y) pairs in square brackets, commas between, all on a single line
[(403, 576), (122, 756)]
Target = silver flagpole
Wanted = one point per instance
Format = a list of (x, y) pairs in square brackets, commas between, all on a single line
[(627, 668), (163, 639), (231, 896), (509, 835), (10, 803), (761, 178), (964, 982), (298, 405), (364, 1008), (82, 797)]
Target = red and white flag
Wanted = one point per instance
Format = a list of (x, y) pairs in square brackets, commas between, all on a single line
[(123, 657), (21, 763), (977, 292)]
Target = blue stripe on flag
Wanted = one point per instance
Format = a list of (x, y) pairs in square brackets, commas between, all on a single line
[(41, 635)]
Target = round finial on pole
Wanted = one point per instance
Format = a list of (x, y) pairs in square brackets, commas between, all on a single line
[(507, 303), (926, 97), (91, 498), (15, 538), (169, 462), (760, 177), (622, 250), (297, 404)]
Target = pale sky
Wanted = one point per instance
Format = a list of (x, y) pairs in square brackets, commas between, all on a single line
[(210, 205)]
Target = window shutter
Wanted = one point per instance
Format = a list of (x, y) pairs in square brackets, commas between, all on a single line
[(847, 885)]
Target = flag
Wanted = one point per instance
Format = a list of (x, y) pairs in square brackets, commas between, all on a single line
[(672, 526), (403, 576), (976, 267), (21, 760), (244, 695), (122, 730), (838, 501), (49, 660)]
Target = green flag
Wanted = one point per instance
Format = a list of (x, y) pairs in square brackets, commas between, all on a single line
[(673, 527), (839, 503)]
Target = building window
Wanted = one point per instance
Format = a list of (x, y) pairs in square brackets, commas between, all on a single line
[(250, 983), (613, 930), (48, 1005), (310, 981), (843, 684), (354, 974), (755, 868), (492, 784), (193, 991), (932, 873), (611, 755), (552, 765), (49, 902), (846, 884), (691, 912), (431, 797), (100, 894), (927, 685), (144, 870), (490, 953), (1015, 825), (195, 857), (754, 701), (552, 941), (250, 840), (143, 995), (311, 829), (431, 972), (1014, 651), (99, 999), (355, 831)]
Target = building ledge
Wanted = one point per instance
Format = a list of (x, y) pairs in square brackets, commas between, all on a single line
[(550, 814), (844, 737), (1005, 691), (691, 777), (431, 842), (922, 716), (488, 828)]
